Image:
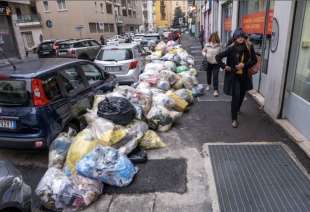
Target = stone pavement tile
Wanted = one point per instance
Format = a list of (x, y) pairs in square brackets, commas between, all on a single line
[(101, 205), (133, 203)]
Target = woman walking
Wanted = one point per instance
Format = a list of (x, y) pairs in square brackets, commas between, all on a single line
[(240, 57), (211, 49)]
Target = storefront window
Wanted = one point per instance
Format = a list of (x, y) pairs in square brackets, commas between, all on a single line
[(226, 21), (252, 19), (302, 78)]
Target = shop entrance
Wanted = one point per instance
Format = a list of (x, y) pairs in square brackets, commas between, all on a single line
[(255, 18), (7, 41), (297, 93)]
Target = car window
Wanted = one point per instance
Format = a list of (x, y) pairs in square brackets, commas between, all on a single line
[(46, 46), (93, 43), (51, 88), (72, 80), (92, 73), (136, 52), (13, 92), (79, 45), (115, 54)]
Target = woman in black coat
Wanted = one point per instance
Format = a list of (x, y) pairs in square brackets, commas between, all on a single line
[(240, 57)]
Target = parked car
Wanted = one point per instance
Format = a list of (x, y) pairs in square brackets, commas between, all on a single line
[(138, 38), (126, 61), (150, 39), (49, 48), (45, 49), (86, 49), (14, 192), (41, 98), (116, 39)]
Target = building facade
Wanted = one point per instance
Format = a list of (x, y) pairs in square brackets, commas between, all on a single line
[(165, 12), (64, 19), (280, 33), (20, 27)]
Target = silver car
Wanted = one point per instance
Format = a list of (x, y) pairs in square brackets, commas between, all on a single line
[(86, 49), (125, 60)]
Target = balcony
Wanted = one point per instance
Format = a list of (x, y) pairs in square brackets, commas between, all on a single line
[(28, 20)]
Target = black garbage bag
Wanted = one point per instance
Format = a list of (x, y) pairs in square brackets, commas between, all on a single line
[(138, 155), (14, 192), (117, 109)]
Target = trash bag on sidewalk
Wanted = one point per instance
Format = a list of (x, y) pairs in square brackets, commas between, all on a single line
[(180, 104), (151, 140), (160, 118), (82, 144), (138, 155), (181, 69), (188, 80), (164, 100), (198, 90), (88, 189), (170, 65), (13, 189), (50, 187), (163, 85), (107, 165), (185, 94), (118, 110), (136, 130), (59, 148), (166, 75)]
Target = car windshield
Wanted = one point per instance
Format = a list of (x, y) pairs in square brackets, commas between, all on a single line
[(13, 92), (115, 54), (46, 45)]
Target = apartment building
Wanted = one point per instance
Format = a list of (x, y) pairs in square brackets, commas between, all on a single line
[(64, 19), (165, 11), (20, 27)]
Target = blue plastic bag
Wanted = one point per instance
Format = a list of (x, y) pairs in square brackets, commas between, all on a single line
[(198, 90), (107, 165)]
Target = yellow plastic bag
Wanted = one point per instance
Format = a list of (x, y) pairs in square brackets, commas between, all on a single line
[(151, 140), (82, 144), (180, 104), (118, 134)]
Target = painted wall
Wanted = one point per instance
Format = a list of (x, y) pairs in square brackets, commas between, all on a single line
[(283, 11)]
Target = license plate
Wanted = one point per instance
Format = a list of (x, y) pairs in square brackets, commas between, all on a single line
[(112, 68), (7, 124)]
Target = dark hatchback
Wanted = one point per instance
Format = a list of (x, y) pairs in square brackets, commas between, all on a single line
[(41, 98)]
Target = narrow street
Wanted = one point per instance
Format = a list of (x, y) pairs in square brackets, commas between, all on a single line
[(177, 178)]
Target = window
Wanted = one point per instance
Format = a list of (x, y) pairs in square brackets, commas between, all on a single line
[(51, 88), (109, 8), (18, 13), (61, 4), (129, 13), (134, 13), (99, 27), (111, 26), (92, 73), (124, 12), (72, 81), (106, 27), (13, 92), (92, 27), (28, 39), (93, 43), (45, 5), (101, 7), (78, 45), (123, 3)]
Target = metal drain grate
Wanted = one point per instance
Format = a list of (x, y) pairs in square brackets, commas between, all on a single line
[(258, 178)]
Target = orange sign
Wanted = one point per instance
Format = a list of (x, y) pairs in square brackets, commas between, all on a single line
[(254, 22), (227, 24)]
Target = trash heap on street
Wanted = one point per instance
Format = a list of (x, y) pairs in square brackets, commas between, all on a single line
[(119, 123)]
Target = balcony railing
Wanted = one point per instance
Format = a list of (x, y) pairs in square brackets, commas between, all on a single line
[(28, 20)]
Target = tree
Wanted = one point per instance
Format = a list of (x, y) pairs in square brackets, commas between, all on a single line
[(178, 14)]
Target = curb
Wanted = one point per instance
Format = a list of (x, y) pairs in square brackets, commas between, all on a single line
[(296, 136)]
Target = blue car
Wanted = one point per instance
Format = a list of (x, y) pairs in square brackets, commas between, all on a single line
[(43, 97)]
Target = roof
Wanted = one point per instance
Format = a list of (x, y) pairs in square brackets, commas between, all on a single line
[(34, 67), (121, 46)]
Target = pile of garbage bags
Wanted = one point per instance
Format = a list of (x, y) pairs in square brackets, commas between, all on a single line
[(119, 123)]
